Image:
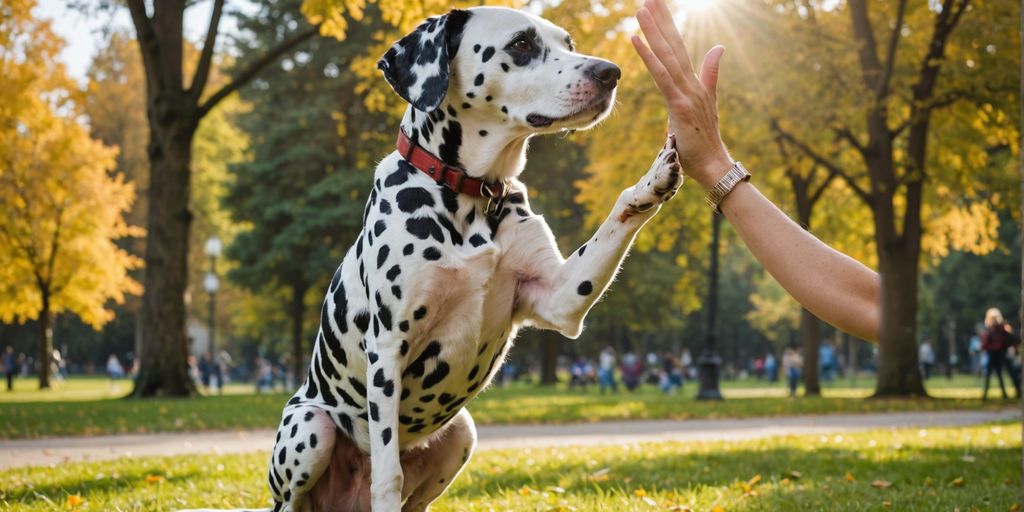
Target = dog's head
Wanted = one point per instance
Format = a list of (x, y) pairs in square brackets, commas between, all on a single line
[(495, 61)]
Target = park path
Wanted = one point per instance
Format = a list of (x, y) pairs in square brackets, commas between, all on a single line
[(36, 452)]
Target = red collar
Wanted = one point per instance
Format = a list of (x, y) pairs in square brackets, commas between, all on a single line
[(452, 177)]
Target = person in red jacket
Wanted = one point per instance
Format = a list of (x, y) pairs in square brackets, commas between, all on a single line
[(996, 339)]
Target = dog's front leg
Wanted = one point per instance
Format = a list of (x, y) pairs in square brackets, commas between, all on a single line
[(384, 378), (558, 293)]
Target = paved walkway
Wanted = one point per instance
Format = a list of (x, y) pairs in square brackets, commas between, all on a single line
[(36, 452)]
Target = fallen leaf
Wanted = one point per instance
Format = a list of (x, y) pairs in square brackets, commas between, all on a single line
[(74, 500), (887, 504), (881, 484), (957, 482), (640, 493), (753, 481), (718, 508), (524, 490), (849, 477), (1015, 507), (154, 479), (795, 475), (650, 501)]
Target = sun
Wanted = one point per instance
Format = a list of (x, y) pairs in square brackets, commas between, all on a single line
[(696, 6)]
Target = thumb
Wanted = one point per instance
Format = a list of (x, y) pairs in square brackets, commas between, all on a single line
[(709, 69)]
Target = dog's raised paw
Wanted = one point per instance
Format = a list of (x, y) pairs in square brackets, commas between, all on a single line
[(660, 184)]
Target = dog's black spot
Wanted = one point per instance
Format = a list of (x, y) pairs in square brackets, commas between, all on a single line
[(382, 255), (413, 198), (385, 436), (287, 420), (282, 455), (416, 368), (416, 428), (300, 447), (374, 413), (452, 112), (312, 440), (389, 388), (346, 423), (583, 249), (472, 373), (396, 291), (504, 109), (372, 356), (357, 386), (385, 206), (477, 240), (384, 313), (404, 348), (431, 254), (405, 394), (379, 227), (479, 80), (483, 133), (521, 212), (476, 48), (450, 200), (466, 106), (488, 53), (504, 67), (378, 378), (362, 320), (419, 313), (516, 198), (393, 273), (308, 417), (407, 250), (447, 224), (585, 288), (424, 228), (445, 398), (347, 398), (488, 99), (404, 325), (436, 376)]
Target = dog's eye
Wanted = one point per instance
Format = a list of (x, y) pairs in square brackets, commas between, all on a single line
[(522, 45)]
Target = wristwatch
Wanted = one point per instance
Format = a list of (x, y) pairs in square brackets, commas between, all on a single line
[(716, 194)]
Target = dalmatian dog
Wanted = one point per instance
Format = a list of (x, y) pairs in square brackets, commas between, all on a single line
[(450, 263)]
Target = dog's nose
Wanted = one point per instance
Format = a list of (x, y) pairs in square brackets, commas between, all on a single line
[(604, 74)]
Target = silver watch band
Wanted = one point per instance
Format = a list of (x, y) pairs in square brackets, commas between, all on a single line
[(716, 194)]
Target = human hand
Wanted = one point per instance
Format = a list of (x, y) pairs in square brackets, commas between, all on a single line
[(690, 99)]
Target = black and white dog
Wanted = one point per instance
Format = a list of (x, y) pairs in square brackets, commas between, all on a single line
[(450, 263)]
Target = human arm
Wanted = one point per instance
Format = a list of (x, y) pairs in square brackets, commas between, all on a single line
[(833, 286)]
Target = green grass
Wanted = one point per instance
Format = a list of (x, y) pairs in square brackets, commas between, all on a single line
[(20, 418), (968, 468)]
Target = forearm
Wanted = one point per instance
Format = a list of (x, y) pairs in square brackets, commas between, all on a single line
[(830, 284)]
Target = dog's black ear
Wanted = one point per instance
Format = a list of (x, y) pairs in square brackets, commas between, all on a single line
[(417, 65)]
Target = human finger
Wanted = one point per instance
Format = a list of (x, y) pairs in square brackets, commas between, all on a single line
[(709, 69), (667, 26), (661, 49), (662, 78)]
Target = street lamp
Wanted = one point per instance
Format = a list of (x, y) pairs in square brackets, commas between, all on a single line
[(211, 283), (709, 362)]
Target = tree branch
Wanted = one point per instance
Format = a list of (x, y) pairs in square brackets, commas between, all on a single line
[(822, 161), (890, 59), (143, 29), (867, 48), (206, 58), (255, 67), (844, 133)]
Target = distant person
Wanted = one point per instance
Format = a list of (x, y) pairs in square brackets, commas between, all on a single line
[(264, 376), (1013, 367), (205, 370), (686, 360), (997, 338), (10, 367), (771, 367), (926, 357), (578, 373), (792, 366), (671, 379), (606, 370), (632, 370), (114, 368)]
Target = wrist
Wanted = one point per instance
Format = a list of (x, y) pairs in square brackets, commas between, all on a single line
[(709, 173)]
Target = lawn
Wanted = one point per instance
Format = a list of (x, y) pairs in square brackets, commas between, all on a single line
[(969, 468), (86, 407)]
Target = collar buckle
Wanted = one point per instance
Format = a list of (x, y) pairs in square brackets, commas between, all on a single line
[(495, 199)]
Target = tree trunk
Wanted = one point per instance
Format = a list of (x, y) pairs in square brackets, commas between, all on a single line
[(550, 341), (45, 343), (164, 356), (298, 308), (898, 370), (812, 342)]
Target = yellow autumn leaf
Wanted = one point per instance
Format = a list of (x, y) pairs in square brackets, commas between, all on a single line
[(524, 490), (75, 500), (718, 508), (849, 477), (957, 482), (881, 484), (154, 479), (639, 493)]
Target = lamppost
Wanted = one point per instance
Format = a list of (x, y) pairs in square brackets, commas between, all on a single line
[(709, 361), (212, 283)]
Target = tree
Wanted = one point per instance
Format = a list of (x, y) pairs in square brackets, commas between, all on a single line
[(62, 211), (173, 113), (901, 84)]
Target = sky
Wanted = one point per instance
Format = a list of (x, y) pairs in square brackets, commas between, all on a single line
[(83, 34)]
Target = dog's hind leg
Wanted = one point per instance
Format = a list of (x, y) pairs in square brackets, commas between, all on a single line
[(431, 469), (305, 441)]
